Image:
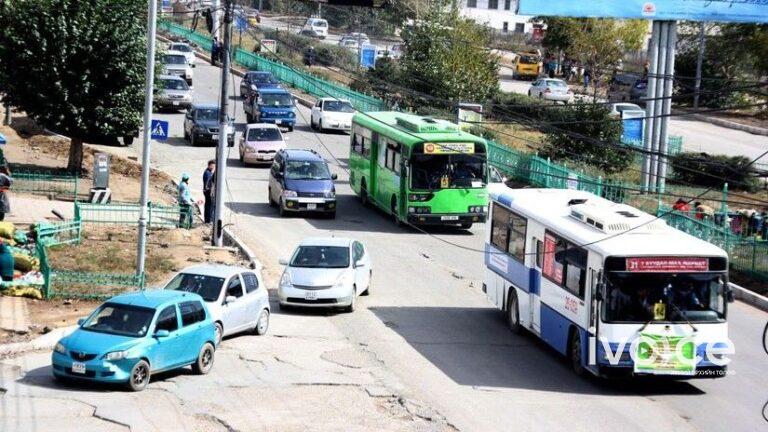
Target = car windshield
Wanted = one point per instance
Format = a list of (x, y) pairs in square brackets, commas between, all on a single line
[(320, 23), (174, 59), (307, 170), (664, 297), (207, 114), (555, 83), (263, 79), (181, 48), (264, 134), (430, 171), (277, 99), (208, 287), (321, 257), (120, 319), (174, 84), (528, 59), (338, 106)]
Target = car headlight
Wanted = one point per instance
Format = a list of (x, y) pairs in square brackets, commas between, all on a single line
[(115, 355), (330, 194), (289, 194), (285, 279), (291, 115), (253, 87), (60, 348), (250, 149)]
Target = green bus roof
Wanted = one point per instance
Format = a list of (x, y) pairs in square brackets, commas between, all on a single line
[(410, 129)]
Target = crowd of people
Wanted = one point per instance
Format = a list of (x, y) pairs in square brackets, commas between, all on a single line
[(742, 222)]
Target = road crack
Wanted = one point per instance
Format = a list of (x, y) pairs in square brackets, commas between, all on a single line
[(219, 421)]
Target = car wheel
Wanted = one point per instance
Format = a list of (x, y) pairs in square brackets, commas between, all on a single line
[(193, 141), (513, 313), (363, 193), (368, 288), (186, 135), (575, 353), (281, 207), (320, 126), (466, 225), (351, 307), (290, 128), (272, 202), (242, 159), (205, 359), (140, 375), (332, 215), (312, 123), (218, 331), (262, 324)]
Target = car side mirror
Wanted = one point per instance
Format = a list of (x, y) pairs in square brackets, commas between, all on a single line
[(283, 261), (230, 299), (81, 321), (334, 176), (359, 263), (193, 65), (162, 333)]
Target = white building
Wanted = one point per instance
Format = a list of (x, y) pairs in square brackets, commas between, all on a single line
[(497, 14)]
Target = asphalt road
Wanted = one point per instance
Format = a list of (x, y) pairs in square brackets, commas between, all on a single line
[(429, 323)]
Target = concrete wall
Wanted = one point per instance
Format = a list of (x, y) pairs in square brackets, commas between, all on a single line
[(495, 18)]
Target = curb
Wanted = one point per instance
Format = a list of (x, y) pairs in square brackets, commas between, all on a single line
[(231, 238), (749, 297), (46, 341), (754, 130)]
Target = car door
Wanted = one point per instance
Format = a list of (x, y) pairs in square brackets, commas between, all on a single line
[(166, 351), (191, 335), (234, 313), (253, 297), (316, 110), (275, 187), (361, 266), (188, 122)]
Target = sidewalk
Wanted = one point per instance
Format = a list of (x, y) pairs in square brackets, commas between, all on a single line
[(27, 209), (14, 316)]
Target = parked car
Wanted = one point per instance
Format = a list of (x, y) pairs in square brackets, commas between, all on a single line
[(552, 89), (271, 105), (260, 143), (619, 107), (318, 25), (621, 85), (132, 336), (311, 33), (357, 37), (253, 81), (639, 91), (172, 93), (185, 49), (237, 298), (326, 272), (175, 63), (349, 44), (254, 18), (300, 180), (332, 113), (201, 125)]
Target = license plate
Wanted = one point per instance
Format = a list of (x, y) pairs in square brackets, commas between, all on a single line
[(278, 122), (176, 102), (449, 218), (78, 368), (214, 137), (310, 295), (311, 206)]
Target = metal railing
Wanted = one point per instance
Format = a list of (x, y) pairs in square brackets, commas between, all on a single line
[(59, 233), (63, 185), (128, 214)]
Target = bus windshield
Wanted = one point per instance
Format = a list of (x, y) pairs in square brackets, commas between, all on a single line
[(445, 171), (664, 297)]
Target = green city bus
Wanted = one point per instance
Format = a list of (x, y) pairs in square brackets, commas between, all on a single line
[(420, 170)]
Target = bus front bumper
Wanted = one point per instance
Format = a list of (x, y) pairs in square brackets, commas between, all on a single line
[(452, 219)]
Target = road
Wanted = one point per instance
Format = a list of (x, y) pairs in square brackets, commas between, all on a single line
[(428, 327)]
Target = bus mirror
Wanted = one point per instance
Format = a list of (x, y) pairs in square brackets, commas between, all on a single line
[(600, 294), (729, 294)]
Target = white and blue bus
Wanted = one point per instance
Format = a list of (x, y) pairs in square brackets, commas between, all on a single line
[(617, 291)]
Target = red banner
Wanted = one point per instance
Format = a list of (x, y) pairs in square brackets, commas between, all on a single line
[(667, 264)]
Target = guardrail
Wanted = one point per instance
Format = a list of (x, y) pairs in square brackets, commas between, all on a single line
[(128, 214), (65, 185), (59, 233)]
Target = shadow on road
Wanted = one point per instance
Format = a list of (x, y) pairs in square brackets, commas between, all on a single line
[(473, 347), (43, 377)]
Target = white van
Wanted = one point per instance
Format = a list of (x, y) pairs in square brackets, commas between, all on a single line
[(318, 25)]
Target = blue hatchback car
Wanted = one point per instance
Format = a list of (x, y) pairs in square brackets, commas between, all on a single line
[(300, 181), (132, 336)]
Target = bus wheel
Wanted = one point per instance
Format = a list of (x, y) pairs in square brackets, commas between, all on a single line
[(398, 222), (363, 193), (513, 313), (575, 353)]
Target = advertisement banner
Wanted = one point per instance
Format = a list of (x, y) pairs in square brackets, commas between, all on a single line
[(269, 45), (665, 355), (741, 11), (633, 122), (368, 56), (667, 264), (449, 148)]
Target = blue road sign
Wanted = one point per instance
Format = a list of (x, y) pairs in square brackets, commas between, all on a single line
[(159, 130), (241, 23), (633, 121), (368, 56)]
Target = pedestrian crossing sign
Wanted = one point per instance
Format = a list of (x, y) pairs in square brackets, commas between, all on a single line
[(159, 130)]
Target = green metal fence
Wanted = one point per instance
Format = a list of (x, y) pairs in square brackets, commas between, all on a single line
[(59, 233), (304, 81), (62, 185), (128, 214)]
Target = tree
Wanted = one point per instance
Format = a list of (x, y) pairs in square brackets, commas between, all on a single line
[(446, 56), (599, 44), (75, 66)]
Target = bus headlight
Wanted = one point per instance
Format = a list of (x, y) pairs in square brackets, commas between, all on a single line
[(420, 210), (477, 209), (419, 197)]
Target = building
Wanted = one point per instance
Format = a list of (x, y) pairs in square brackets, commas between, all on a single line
[(497, 14)]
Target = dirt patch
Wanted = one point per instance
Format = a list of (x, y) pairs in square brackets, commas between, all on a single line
[(46, 315)]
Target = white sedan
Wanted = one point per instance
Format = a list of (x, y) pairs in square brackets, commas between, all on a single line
[(326, 272), (620, 107), (185, 49), (552, 89), (331, 113), (236, 297)]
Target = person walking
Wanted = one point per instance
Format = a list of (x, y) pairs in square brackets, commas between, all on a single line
[(587, 76), (6, 262), (215, 48), (208, 191), (6, 181), (185, 202)]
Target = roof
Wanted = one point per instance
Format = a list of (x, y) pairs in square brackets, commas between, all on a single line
[(332, 99), (326, 241), (205, 105), (627, 231), (171, 77), (174, 52), (262, 126), (214, 270), (252, 72), (276, 90), (152, 298), (385, 122), (302, 154)]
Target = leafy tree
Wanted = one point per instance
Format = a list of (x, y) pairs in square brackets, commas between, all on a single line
[(75, 66), (446, 56), (714, 170)]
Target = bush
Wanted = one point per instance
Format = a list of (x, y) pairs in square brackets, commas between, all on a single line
[(714, 170)]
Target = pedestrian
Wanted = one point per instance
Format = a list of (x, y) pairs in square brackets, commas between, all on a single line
[(703, 211), (764, 226), (207, 191), (587, 76), (681, 205), (185, 202), (6, 262), (215, 48), (309, 56), (5, 183)]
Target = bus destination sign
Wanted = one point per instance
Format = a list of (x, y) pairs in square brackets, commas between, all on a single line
[(449, 148), (667, 264)]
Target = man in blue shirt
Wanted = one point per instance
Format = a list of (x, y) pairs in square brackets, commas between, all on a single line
[(185, 202), (208, 190)]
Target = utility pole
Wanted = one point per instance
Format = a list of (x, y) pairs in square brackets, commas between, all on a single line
[(7, 120), (319, 9), (699, 61), (149, 80), (221, 150), (215, 11)]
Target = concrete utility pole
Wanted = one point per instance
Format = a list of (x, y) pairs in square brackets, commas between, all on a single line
[(221, 150), (215, 11), (699, 61), (7, 120), (149, 80)]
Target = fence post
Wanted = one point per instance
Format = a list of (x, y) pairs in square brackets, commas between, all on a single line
[(599, 185), (724, 204), (77, 182), (546, 178)]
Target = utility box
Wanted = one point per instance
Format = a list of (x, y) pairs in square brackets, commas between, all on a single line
[(101, 171)]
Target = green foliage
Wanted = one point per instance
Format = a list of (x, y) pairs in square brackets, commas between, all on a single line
[(75, 66), (714, 170), (446, 56), (587, 134)]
